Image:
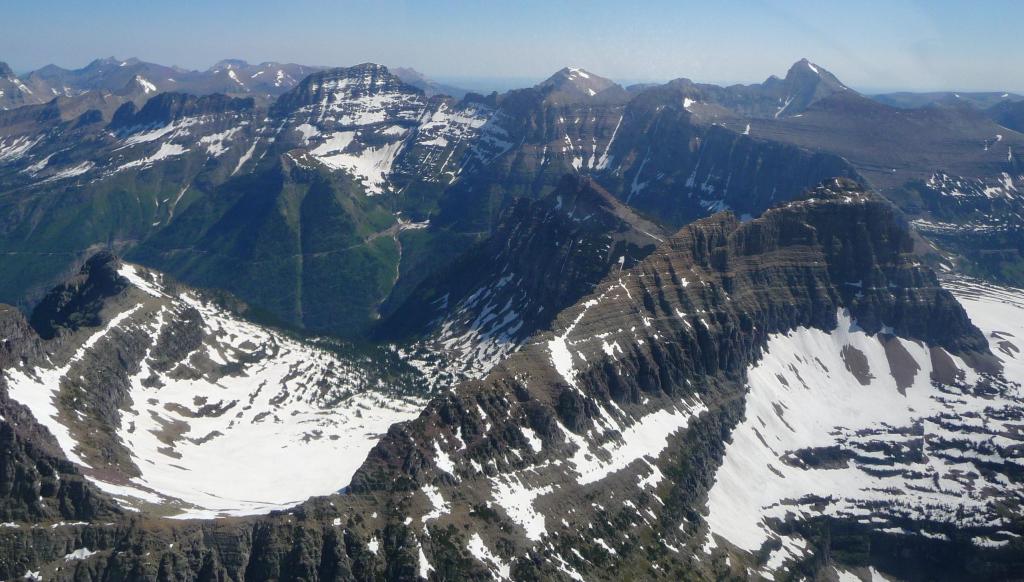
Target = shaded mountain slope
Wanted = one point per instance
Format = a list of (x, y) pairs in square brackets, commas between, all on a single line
[(592, 451), (543, 256), (1009, 115)]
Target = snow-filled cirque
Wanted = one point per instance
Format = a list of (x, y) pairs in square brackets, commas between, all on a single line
[(899, 436), (246, 420)]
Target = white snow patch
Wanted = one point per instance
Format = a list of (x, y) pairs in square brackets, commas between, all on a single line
[(275, 421), (532, 439), (480, 551), (802, 396), (146, 86), (167, 150), (424, 567), (215, 142), (76, 170), (79, 554), (440, 506), (442, 460)]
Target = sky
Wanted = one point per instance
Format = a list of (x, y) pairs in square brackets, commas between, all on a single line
[(871, 45)]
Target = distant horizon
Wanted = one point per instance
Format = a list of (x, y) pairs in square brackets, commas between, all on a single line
[(872, 45), (503, 83)]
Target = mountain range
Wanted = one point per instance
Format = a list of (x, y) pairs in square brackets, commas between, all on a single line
[(379, 152), (278, 322)]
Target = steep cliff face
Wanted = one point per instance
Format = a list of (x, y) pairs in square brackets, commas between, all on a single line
[(75, 185), (600, 448), (597, 443), (77, 302), (542, 257), (304, 245), (37, 483), (673, 159)]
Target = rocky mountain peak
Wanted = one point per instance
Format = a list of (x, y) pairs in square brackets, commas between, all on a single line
[(108, 62), (410, 75), (78, 301), (5, 71), (679, 332), (834, 189), (230, 64), (804, 72), (429, 86), (577, 82), (97, 63), (138, 86), (805, 84), (368, 75), (343, 84)]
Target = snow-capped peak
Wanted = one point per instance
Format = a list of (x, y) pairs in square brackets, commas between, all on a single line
[(576, 80)]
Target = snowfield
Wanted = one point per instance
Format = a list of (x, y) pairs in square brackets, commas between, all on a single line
[(210, 437), (851, 425)]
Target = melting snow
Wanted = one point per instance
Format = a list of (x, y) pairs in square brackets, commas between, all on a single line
[(146, 86), (215, 142), (276, 421), (480, 551), (76, 170), (79, 554), (803, 396)]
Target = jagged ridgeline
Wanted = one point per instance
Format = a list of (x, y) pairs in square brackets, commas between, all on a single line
[(326, 197), (793, 396)]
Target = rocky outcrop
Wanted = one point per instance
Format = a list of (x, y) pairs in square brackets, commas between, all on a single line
[(37, 483), (166, 108), (77, 302)]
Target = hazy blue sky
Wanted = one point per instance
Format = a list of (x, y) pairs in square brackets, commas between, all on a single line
[(869, 44)]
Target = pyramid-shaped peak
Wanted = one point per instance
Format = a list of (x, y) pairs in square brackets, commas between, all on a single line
[(576, 75), (804, 71), (577, 81), (806, 64), (5, 71)]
